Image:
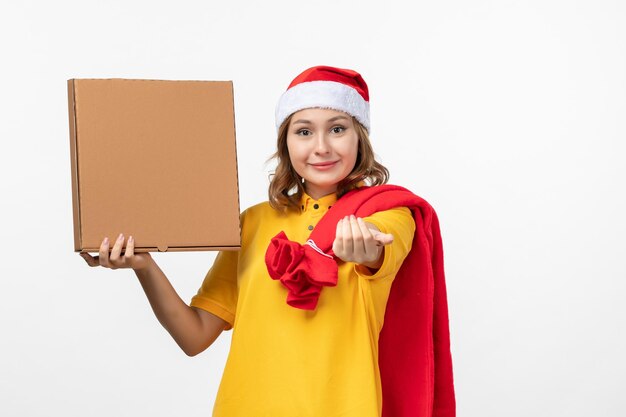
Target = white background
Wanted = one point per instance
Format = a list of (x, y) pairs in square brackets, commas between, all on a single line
[(507, 116)]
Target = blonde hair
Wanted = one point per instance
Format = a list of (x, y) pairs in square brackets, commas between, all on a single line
[(285, 179)]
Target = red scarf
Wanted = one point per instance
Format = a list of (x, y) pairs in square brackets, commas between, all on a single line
[(414, 345)]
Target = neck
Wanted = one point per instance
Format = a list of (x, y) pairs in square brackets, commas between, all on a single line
[(318, 192)]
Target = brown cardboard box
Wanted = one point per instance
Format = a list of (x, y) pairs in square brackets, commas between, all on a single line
[(155, 160)]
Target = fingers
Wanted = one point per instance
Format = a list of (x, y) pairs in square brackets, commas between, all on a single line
[(346, 231), (369, 243), (103, 254), (338, 242), (130, 248), (354, 241), (117, 249), (112, 260), (382, 239), (358, 247)]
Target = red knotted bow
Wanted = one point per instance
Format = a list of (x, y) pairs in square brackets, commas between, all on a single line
[(302, 269)]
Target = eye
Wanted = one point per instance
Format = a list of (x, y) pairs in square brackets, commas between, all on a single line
[(303, 132), (338, 129)]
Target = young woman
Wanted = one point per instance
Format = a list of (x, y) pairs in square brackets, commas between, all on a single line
[(298, 349)]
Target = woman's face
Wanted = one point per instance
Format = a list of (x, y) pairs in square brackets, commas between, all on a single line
[(323, 147)]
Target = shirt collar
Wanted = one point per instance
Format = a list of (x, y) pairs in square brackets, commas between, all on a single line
[(309, 203)]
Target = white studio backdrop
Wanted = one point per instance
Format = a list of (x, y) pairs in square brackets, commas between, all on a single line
[(507, 116)]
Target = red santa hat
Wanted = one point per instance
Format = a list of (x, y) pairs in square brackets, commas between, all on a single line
[(327, 88)]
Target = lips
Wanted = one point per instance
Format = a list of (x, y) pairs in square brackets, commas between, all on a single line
[(324, 164)]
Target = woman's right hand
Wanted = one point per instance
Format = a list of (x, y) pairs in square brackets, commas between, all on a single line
[(114, 260)]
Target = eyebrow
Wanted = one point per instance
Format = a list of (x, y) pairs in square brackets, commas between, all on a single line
[(304, 121)]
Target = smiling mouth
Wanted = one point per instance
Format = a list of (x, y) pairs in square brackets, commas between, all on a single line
[(324, 164)]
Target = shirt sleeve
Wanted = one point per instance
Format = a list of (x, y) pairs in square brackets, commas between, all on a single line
[(218, 293), (398, 222)]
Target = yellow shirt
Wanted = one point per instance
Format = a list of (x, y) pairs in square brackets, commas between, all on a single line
[(288, 362)]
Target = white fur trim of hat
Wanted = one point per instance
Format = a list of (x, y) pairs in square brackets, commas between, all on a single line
[(315, 89)]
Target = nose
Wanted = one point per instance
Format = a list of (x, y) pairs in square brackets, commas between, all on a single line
[(321, 145)]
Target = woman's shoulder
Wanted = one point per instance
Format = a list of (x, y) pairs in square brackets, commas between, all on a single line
[(255, 210), (262, 210), (264, 205)]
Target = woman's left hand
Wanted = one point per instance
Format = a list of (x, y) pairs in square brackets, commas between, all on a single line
[(360, 242)]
